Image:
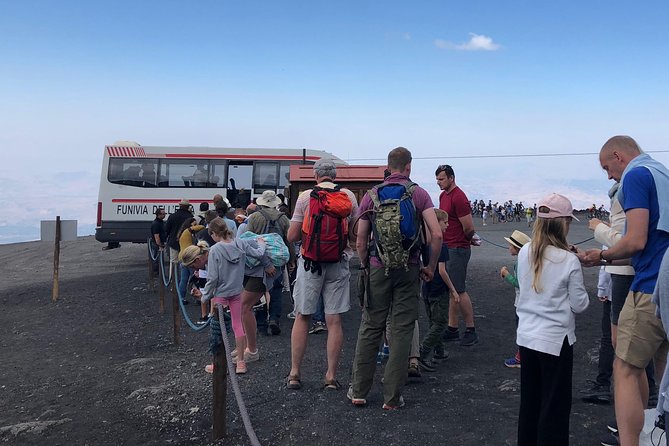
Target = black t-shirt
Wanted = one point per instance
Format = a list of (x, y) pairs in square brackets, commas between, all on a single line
[(158, 227), (437, 287), (174, 223)]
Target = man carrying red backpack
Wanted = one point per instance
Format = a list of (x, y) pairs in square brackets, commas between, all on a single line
[(321, 221)]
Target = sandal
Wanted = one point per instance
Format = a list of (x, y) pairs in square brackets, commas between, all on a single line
[(331, 384), (293, 382)]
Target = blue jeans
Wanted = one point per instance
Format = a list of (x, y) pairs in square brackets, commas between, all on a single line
[(319, 315), (184, 275)]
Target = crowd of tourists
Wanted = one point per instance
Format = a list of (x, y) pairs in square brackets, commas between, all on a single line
[(409, 246)]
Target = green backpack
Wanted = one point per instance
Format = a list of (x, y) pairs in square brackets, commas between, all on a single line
[(396, 224)]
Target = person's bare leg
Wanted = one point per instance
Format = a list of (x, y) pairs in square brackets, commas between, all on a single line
[(466, 309), (631, 390), (453, 313), (249, 319), (298, 342), (335, 342)]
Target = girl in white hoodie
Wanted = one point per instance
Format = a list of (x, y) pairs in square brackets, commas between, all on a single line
[(551, 293)]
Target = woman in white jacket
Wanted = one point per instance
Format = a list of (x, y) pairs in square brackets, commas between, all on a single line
[(551, 292)]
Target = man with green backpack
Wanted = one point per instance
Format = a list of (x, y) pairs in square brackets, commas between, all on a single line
[(393, 218)]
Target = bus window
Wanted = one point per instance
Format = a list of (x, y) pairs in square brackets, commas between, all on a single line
[(149, 173), (184, 173), (240, 176), (126, 171), (265, 176), (218, 174), (284, 174)]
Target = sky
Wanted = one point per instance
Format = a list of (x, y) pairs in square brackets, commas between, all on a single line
[(448, 80)]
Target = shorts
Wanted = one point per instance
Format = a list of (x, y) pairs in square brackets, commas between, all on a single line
[(254, 284), (334, 284), (458, 259), (641, 336)]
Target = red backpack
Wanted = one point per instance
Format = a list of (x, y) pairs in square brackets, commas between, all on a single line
[(325, 225)]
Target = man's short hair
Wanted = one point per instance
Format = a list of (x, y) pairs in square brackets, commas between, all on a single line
[(160, 211), (448, 170), (398, 158), (622, 143), (325, 168)]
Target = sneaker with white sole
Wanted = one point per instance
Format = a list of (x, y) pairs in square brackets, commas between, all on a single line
[(355, 401), (248, 356), (390, 407)]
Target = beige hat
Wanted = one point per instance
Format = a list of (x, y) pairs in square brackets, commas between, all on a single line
[(269, 199), (518, 239), (184, 202)]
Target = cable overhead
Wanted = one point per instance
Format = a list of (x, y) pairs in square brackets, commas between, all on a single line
[(521, 155)]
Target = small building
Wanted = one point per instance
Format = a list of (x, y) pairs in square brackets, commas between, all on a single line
[(358, 179)]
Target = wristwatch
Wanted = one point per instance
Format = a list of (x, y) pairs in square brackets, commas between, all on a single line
[(601, 257)]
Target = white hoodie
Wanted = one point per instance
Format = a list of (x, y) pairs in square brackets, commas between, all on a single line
[(545, 318)]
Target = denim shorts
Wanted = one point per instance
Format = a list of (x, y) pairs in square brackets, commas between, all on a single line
[(458, 259)]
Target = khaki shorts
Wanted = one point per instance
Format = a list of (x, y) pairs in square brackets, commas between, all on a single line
[(641, 336), (334, 284)]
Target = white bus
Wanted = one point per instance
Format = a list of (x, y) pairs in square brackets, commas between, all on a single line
[(136, 180)]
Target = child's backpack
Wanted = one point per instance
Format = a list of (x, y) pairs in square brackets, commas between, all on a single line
[(276, 249), (396, 224), (325, 225)]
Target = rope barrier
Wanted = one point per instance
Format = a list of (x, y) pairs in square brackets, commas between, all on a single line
[(163, 253), (154, 251), (507, 246), (190, 323), (235, 384)]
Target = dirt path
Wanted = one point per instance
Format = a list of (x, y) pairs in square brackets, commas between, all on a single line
[(99, 367)]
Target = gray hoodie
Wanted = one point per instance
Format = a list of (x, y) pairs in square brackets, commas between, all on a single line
[(225, 267)]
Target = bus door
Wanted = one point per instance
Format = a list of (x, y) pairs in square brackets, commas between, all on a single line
[(240, 183)]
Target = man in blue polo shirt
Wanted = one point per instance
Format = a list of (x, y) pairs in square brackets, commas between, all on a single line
[(644, 196)]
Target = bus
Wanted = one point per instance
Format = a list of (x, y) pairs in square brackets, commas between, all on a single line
[(136, 180)]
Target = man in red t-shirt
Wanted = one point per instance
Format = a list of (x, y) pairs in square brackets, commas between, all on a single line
[(458, 237)]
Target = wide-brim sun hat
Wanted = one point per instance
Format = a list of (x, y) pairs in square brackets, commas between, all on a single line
[(269, 199), (518, 239)]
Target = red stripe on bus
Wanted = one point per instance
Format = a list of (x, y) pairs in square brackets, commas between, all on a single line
[(252, 157), (158, 200)]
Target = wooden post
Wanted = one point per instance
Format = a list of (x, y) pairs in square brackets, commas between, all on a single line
[(161, 293), (220, 384), (175, 305), (56, 261)]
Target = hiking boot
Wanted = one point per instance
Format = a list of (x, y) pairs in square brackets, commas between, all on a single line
[(440, 354), (597, 394), (612, 426), (354, 400), (426, 365), (469, 338), (390, 407), (450, 336), (414, 371), (512, 363), (318, 327), (274, 328), (610, 439)]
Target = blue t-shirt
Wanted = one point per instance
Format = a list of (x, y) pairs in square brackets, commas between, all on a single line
[(437, 287), (640, 193)]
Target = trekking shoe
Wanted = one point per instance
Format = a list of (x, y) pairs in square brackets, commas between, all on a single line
[(469, 338), (260, 304), (440, 354), (385, 352), (291, 315), (612, 426), (241, 368), (450, 336), (426, 365), (203, 320), (318, 327), (389, 407), (597, 394), (610, 439), (414, 371), (274, 328), (512, 363), (355, 401)]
